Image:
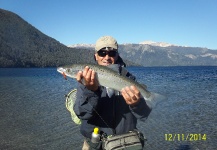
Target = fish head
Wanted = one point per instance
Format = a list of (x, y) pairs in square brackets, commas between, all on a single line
[(67, 71), (61, 70)]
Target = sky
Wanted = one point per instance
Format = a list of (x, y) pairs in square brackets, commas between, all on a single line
[(180, 22)]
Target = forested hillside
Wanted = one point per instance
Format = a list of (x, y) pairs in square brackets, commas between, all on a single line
[(22, 45)]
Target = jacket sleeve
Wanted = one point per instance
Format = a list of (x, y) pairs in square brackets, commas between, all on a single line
[(86, 102), (142, 109)]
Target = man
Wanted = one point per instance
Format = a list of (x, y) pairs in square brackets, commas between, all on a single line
[(112, 114)]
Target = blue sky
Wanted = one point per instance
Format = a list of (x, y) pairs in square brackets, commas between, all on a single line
[(181, 22)]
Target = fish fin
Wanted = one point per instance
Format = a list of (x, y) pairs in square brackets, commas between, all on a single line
[(117, 68), (110, 92), (144, 86), (64, 75), (155, 99), (114, 67)]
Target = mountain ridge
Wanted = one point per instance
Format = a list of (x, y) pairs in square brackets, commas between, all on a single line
[(148, 54), (22, 45), (152, 43)]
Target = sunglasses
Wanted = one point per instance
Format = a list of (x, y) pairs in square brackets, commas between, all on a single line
[(103, 53)]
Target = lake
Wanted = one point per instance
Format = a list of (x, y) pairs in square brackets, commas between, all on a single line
[(33, 113)]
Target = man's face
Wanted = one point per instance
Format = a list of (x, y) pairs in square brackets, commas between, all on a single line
[(106, 57)]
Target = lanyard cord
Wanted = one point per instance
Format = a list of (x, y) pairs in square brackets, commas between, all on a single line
[(100, 117)]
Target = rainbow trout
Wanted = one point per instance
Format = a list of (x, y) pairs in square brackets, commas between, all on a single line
[(107, 77)]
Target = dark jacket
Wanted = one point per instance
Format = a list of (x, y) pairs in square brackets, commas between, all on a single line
[(111, 115)]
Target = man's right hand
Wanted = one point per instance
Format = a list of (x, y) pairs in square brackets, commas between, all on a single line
[(88, 78)]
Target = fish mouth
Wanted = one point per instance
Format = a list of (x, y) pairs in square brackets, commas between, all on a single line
[(61, 69)]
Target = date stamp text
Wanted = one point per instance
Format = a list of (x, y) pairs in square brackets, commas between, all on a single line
[(185, 137)]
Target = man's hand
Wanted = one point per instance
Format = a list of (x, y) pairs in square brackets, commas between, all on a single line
[(88, 78), (131, 95)]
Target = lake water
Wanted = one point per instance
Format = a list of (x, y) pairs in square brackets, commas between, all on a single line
[(33, 113)]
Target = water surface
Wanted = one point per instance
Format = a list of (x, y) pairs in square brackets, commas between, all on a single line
[(33, 113)]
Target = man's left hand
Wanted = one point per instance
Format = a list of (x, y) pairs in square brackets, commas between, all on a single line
[(131, 95)]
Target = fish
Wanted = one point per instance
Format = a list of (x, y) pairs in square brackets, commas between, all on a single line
[(107, 77)]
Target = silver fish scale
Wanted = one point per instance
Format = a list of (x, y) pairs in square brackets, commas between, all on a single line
[(106, 76)]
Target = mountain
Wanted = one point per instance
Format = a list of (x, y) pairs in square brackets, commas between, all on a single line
[(83, 46), (149, 53), (22, 45), (152, 43)]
